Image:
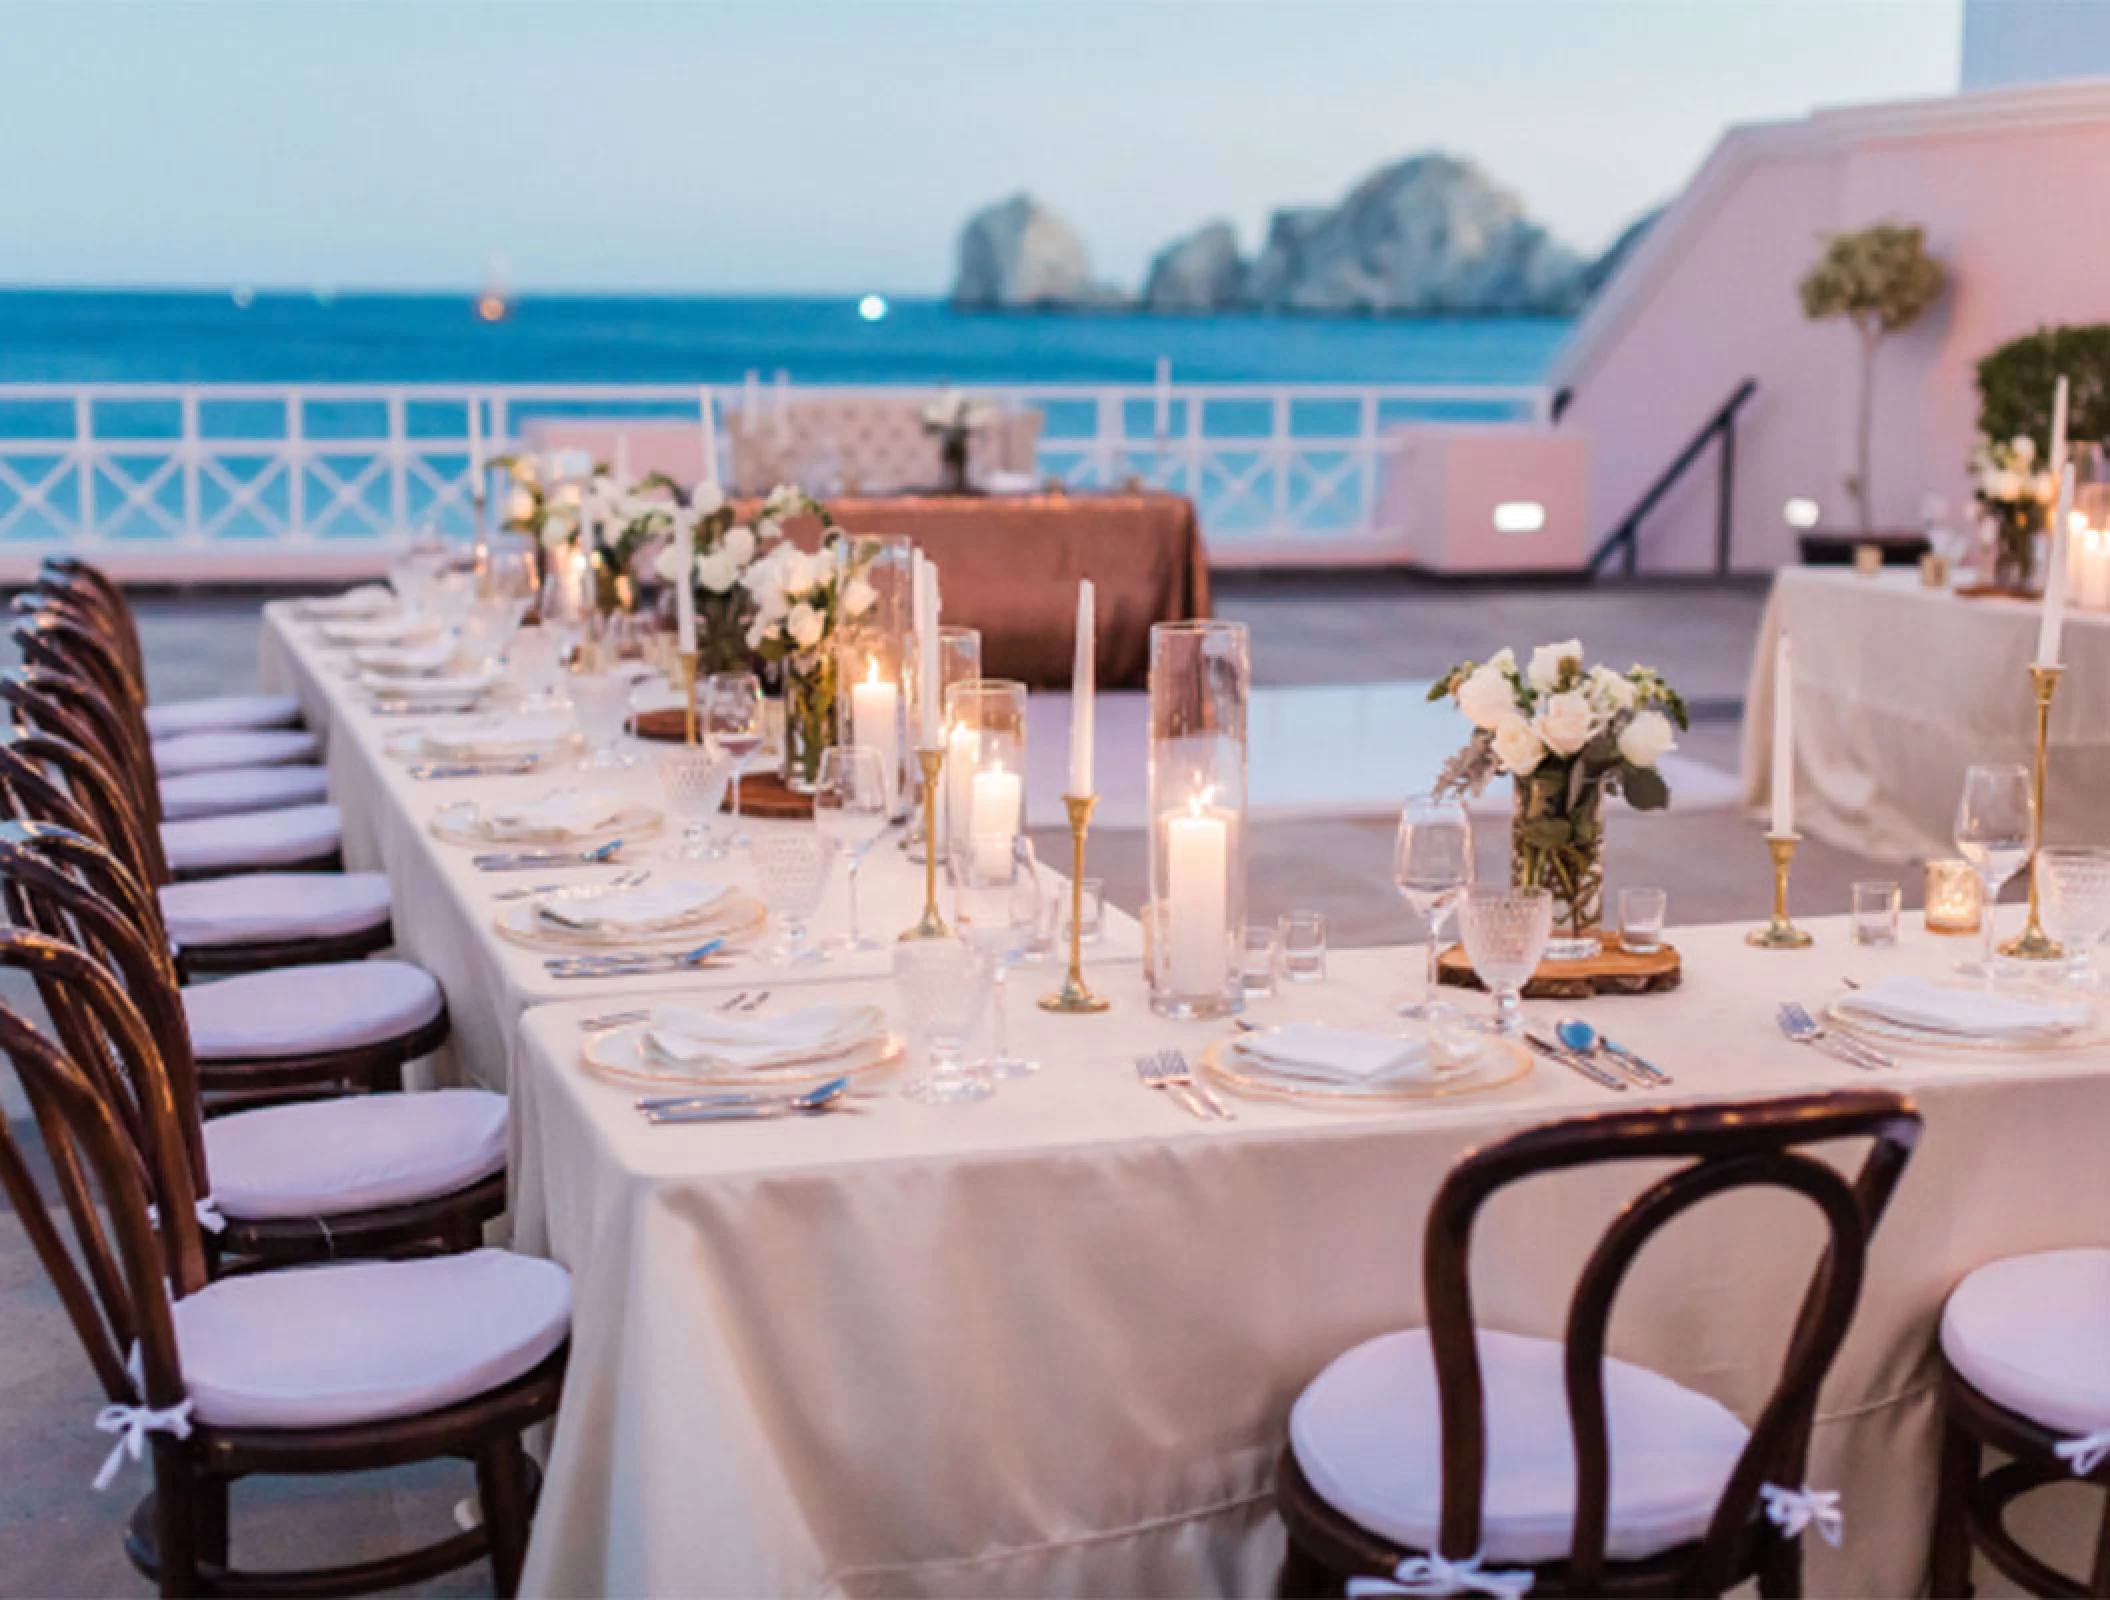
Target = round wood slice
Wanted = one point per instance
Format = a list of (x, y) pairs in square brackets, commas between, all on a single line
[(669, 724), (1614, 971), (1993, 591)]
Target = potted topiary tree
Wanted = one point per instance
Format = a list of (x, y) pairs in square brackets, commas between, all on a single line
[(1882, 280), (2010, 466)]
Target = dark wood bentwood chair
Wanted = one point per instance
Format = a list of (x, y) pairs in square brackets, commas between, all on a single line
[(2025, 1348), (307, 1180), (332, 1369), (1438, 1458)]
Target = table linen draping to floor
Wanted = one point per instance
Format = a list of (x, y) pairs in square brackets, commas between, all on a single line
[(1899, 688)]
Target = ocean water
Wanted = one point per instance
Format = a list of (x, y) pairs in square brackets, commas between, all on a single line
[(119, 337)]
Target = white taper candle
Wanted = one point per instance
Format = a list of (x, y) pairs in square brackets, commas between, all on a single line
[(1783, 824), (1083, 691)]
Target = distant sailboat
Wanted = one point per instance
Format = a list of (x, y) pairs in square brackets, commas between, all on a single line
[(495, 303)]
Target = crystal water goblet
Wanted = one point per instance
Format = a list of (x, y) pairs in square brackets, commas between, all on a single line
[(694, 778), (1505, 933), (1995, 828), (532, 660), (2073, 899), (791, 869), (852, 805), (729, 704), (998, 898), (943, 985), (1432, 866), (600, 704)]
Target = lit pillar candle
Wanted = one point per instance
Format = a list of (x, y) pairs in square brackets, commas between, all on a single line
[(963, 750), (1783, 825), (1083, 692), (875, 712), (993, 818), (706, 414), (1197, 853)]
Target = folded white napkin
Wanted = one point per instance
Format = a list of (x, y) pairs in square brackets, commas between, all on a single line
[(446, 687), (404, 661), (563, 813), (691, 1037), (650, 909), (1324, 1054), (381, 630), (368, 600), (497, 738), (1966, 1013)]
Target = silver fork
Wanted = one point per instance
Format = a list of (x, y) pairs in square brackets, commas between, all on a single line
[(1183, 1076), (1151, 1071), (742, 1001), (1803, 1028)]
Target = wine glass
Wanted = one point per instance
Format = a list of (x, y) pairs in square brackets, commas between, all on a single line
[(850, 806), (509, 575), (997, 901), (567, 598), (943, 984), (2073, 898), (791, 869), (1995, 827), (694, 778), (532, 658), (730, 704), (600, 704), (1505, 937), (1432, 864)]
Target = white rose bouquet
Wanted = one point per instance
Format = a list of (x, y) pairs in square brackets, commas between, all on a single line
[(1567, 735), (2017, 495), (953, 419), (544, 498)]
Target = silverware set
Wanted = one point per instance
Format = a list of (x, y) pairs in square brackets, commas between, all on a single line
[(1582, 1066), (746, 1105), (1167, 1071), (1805, 1029), (578, 891), (427, 770), (743, 1001), (1578, 1037), (526, 860), (635, 963)]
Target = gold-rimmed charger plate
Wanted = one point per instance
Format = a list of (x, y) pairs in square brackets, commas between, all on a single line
[(619, 1056), (632, 822), (1897, 1035), (409, 744), (1500, 1063), (735, 919)]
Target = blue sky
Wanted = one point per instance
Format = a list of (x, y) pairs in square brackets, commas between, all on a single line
[(795, 145)]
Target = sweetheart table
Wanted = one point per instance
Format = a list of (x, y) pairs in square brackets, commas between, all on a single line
[(1048, 1343), (445, 908)]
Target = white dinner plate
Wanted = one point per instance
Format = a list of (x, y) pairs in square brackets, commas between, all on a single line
[(620, 1055), (418, 744), (463, 823), (1881, 1031), (1495, 1063), (736, 919)]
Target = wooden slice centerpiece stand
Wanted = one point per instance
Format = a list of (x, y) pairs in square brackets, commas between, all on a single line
[(1614, 970)]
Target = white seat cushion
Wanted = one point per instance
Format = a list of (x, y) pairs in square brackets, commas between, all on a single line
[(1368, 1437), (226, 790), (298, 1011), (367, 1341), (221, 712), (320, 1158), (252, 839), (2032, 1333), (255, 747), (264, 907)]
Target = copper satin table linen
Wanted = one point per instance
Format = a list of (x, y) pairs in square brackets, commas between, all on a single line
[(1009, 565)]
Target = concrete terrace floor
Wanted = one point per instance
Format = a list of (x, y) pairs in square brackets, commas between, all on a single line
[(58, 1538)]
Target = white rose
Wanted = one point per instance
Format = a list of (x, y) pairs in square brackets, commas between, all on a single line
[(804, 625), (1546, 661), (1611, 690), (1504, 660), (2043, 487), (1565, 722), (799, 572), (757, 631), (717, 572), (568, 494), (1516, 746), (520, 505), (1486, 696), (2007, 485), (768, 530), (668, 562), (2023, 448), (740, 544), (706, 497), (1646, 739), (781, 500), (859, 597), (525, 469)]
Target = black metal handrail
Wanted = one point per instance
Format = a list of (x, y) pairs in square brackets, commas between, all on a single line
[(1626, 538)]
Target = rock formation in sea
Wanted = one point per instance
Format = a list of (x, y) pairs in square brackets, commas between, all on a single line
[(1017, 255), (1202, 271)]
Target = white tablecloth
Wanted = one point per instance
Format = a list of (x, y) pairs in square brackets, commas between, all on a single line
[(1898, 688), (444, 906), (1047, 1344)]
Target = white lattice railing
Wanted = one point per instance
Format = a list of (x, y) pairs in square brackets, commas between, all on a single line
[(241, 480)]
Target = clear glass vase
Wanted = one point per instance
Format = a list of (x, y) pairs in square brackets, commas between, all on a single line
[(809, 717), (1558, 846)]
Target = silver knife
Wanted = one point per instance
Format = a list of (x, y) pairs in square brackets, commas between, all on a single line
[(1648, 1069), (1568, 1058)]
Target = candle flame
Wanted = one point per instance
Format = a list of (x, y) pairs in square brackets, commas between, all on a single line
[(872, 675), (1201, 801)]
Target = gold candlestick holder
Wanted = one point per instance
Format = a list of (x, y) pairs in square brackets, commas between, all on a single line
[(687, 658), (1074, 996), (1780, 933), (932, 762), (2033, 943)]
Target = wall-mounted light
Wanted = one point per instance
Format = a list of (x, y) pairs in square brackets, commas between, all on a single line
[(1519, 516), (1801, 512)]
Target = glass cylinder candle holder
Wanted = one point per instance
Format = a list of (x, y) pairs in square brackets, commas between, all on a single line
[(1200, 685), (1954, 897), (873, 649), (959, 660), (985, 768)]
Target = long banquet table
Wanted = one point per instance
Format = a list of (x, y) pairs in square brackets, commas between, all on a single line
[(1898, 688), (444, 907)]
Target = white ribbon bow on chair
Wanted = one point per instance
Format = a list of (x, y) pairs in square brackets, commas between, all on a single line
[(132, 1424), (1792, 1510), (1433, 1574), (2086, 1453)]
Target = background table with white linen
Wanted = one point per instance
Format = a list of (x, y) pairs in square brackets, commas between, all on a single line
[(1899, 688), (445, 908), (1048, 1343)]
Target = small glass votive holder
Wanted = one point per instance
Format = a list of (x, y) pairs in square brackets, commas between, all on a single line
[(1953, 897), (1876, 905), (1263, 956), (1094, 913), (1642, 913), (1868, 559), (1304, 946)]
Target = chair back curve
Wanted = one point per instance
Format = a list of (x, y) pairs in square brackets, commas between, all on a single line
[(1723, 1147)]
